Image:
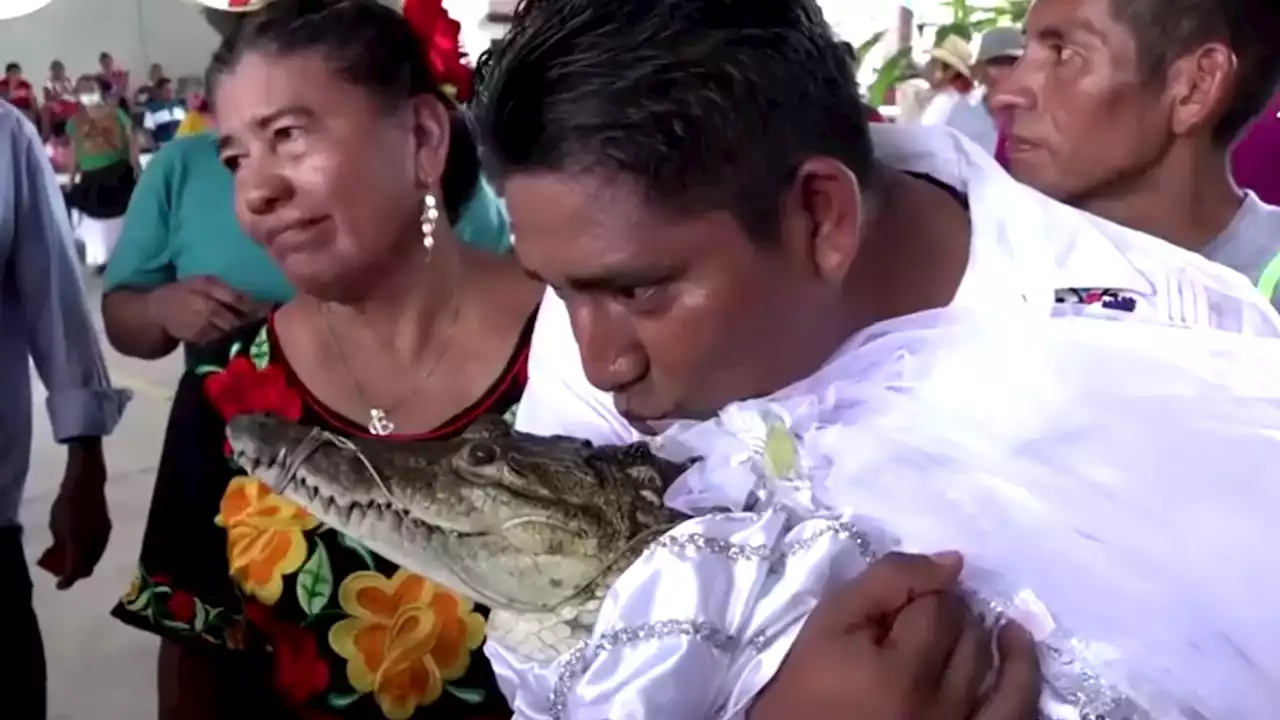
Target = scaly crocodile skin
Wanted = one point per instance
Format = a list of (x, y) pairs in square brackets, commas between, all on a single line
[(536, 528)]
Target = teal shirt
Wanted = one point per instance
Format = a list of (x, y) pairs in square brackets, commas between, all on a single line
[(180, 224)]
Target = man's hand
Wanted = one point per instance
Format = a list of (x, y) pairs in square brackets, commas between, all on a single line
[(201, 309), (898, 643), (79, 520)]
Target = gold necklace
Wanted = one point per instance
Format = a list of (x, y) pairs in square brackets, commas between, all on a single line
[(380, 423)]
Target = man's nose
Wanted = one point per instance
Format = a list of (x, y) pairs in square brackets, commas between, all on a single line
[(1014, 92), (612, 356)]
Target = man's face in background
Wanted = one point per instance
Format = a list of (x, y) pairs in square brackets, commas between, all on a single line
[(1079, 115), (993, 72)]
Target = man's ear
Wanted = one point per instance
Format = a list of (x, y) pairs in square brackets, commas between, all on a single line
[(1201, 85), (430, 138), (823, 215)]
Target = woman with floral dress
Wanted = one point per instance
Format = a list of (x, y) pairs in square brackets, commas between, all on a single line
[(346, 172)]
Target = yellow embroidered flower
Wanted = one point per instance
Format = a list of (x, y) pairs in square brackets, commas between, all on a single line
[(405, 638), (135, 589), (264, 537)]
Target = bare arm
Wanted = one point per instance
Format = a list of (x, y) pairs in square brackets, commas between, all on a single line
[(131, 326)]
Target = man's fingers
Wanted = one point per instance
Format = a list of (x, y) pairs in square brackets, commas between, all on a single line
[(924, 635), (1016, 694), (885, 588), (221, 319), (223, 294), (968, 667)]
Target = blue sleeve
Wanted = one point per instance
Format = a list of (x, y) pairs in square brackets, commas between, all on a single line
[(60, 332), (484, 223), (142, 258)]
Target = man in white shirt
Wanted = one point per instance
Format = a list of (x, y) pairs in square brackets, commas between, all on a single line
[(696, 182), (1122, 113)]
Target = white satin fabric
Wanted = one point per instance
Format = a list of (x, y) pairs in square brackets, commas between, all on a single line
[(1109, 483)]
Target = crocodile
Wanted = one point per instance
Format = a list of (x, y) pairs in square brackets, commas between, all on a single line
[(536, 528)]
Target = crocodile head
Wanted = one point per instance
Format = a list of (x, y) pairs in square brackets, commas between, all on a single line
[(517, 522)]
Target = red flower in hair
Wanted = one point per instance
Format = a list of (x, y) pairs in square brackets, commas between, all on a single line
[(440, 37)]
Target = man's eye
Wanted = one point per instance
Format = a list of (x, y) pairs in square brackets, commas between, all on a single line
[(1061, 52), (230, 162)]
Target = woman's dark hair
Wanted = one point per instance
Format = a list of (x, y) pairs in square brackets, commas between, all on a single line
[(368, 45)]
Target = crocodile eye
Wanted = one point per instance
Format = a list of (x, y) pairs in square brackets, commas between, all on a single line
[(481, 453)]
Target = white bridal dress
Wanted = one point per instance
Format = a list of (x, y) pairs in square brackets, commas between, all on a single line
[(1112, 486)]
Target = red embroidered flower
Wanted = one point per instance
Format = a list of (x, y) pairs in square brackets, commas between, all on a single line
[(182, 606), (300, 672), (241, 388), (439, 34)]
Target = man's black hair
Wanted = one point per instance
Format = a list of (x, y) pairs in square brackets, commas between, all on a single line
[(1166, 30), (11, 67), (703, 104), (369, 45), (162, 83)]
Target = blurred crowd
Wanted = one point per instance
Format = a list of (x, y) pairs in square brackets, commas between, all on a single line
[(152, 112)]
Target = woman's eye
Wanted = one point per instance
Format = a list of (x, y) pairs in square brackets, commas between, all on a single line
[(231, 162), (637, 293), (287, 133)]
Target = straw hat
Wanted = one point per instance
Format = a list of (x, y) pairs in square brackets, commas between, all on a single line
[(955, 54)]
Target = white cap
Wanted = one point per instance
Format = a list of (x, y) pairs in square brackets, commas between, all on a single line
[(1000, 42)]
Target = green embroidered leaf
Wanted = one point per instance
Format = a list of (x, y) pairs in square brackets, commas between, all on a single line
[(207, 369), (471, 696), (509, 417), (315, 581), (175, 624), (342, 700), (235, 349), (357, 547), (201, 618), (260, 350), (780, 454), (136, 604)]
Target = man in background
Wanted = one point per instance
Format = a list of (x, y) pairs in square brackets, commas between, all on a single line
[(998, 51), (1126, 114), (44, 320), (163, 113)]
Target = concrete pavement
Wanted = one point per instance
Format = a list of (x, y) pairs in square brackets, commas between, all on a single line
[(98, 668)]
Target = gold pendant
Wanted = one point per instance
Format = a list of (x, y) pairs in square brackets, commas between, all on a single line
[(379, 424)]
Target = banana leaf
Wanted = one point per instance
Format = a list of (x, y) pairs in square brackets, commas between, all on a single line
[(888, 76)]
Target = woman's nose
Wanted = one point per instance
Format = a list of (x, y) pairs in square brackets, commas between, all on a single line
[(263, 191)]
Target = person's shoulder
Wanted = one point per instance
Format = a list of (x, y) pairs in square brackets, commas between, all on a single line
[(183, 154)]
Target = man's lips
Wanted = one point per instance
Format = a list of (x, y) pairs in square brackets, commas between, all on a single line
[(1018, 145)]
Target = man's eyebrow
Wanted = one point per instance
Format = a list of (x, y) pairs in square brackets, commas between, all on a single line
[(610, 279), (1069, 28)]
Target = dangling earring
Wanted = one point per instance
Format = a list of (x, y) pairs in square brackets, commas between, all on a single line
[(429, 216)]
